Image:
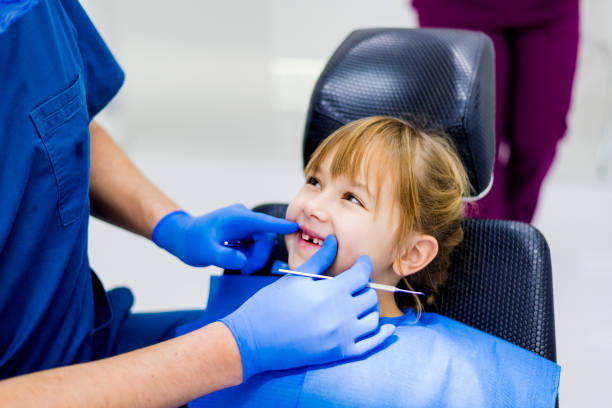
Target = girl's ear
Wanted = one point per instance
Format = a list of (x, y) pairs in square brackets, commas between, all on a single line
[(416, 255)]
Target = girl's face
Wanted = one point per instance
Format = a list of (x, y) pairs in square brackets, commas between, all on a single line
[(347, 209)]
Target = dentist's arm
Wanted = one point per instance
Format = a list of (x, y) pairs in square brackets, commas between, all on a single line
[(167, 374), (119, 192), (290, 323)]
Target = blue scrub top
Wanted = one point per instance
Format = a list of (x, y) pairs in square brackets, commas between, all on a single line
[(56, 74)]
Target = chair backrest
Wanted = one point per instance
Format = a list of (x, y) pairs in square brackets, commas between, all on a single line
[(500, 278)]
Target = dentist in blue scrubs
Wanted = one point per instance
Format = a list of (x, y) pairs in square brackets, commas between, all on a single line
[(64, 340)]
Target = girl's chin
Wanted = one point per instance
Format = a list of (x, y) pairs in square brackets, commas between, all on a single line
[(334, 270)]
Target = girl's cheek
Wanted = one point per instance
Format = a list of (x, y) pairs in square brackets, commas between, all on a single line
[(342, 263), (291, 214)]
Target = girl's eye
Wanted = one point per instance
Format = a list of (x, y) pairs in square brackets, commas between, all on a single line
[(350, 197), (313, 182)]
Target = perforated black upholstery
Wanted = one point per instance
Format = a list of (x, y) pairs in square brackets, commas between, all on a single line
[(435, 78), (501, 283)]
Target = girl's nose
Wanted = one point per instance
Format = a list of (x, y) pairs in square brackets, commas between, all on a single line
[(317, 208)]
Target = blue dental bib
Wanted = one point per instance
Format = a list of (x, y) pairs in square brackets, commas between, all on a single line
[(435, 362)]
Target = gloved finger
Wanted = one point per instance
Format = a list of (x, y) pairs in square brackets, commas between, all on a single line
[(250, 222), (369, 343), (367, 326), (365, 303), (323, 258), (357, 276), (228, 258), (259, 252)]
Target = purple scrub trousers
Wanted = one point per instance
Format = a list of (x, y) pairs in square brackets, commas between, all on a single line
[(536, 45)]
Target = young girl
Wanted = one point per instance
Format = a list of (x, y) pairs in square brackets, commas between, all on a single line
[(392, 192)]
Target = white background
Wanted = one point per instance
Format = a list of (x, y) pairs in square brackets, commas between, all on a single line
[(213, 110)]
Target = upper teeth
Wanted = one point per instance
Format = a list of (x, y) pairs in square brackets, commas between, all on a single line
[(308, 238)]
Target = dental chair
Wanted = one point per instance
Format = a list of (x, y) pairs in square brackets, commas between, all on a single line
[(500, 279)]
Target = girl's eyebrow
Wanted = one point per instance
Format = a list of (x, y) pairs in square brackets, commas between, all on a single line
[(362, 186), (353, 182)]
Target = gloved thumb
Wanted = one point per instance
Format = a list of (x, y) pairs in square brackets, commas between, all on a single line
[(229, 258), (323, 258), (259, 253)]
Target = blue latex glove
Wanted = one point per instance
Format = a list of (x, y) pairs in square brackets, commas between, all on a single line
[(199, 241), (298, 321)]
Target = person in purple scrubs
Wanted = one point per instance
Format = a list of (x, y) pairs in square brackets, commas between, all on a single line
[(536, 45)]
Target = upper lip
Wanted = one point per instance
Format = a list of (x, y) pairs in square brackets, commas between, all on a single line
[(311, 233)]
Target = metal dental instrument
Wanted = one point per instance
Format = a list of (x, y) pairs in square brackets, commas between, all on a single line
[(377, 286)]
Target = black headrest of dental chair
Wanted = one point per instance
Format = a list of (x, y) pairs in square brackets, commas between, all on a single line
[(438, 79), (500, 278)]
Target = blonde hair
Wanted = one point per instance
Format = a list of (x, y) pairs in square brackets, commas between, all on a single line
[(428, 181)]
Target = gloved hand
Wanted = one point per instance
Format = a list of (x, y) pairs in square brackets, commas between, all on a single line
[(199, 241), (298, 321)]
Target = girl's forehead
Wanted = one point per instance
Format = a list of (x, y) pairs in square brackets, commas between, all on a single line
[(373, 169)]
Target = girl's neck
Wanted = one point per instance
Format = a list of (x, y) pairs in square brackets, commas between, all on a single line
[(388, 307)]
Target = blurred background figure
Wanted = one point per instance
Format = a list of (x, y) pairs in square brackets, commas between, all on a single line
[(536, 46)]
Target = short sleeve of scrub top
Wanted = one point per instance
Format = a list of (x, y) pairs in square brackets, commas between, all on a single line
[(56, 74)]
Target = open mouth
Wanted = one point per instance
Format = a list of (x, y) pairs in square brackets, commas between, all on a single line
[(310, 238)]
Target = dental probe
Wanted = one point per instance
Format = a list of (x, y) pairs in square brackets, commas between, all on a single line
[(377, 286)]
